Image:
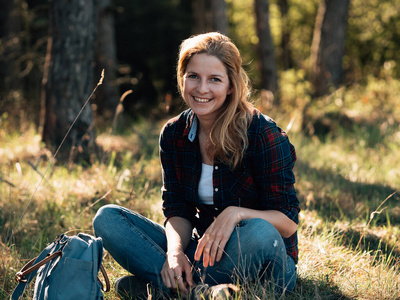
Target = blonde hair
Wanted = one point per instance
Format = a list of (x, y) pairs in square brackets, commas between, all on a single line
[(229, 132)]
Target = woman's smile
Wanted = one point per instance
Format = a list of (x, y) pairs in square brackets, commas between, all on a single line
[(201, 100)]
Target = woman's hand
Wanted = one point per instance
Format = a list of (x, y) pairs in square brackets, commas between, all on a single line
[(212, 243), (176, 267)]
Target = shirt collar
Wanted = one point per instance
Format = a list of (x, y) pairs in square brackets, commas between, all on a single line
[(193, 129)]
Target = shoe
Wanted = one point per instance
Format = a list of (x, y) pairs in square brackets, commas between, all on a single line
[(131, 287), (216, 292)]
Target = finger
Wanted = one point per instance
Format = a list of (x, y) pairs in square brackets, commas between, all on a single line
[(165, 277), (188, 275), (199, 249), (179, 284), (213, 252), (171, 278), (167, 281), (206, 253), (221, 249)]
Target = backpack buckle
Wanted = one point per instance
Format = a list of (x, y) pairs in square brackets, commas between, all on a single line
[(19, 277)]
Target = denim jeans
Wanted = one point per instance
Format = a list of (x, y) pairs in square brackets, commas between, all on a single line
[(254, 251)]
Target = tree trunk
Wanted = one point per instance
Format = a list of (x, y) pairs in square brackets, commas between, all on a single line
[(10, 50), (199, 16), (266, 51), (219, 18), (107, 97), (328, 45), (70, 76), (286, 55)]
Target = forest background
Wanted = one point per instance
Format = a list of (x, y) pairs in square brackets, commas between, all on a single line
[(326, 71)]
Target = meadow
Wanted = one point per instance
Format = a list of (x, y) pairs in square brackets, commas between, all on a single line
[(348, 179)]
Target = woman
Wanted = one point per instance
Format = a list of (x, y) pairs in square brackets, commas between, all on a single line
[(228, 196)]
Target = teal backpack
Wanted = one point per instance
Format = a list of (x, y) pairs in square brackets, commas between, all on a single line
[(66, 269)]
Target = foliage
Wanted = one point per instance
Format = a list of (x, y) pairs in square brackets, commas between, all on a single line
[(301, 18), (24, 51), (243, 33), (373, 38), (148, 35)]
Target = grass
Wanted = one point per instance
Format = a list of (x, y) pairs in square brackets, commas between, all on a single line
[(347, 181)]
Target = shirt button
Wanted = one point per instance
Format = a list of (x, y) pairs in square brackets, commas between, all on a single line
[(216, 167), (216, 208), (216, 189)]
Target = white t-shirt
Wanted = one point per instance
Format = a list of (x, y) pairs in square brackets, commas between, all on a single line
[(206, 185)]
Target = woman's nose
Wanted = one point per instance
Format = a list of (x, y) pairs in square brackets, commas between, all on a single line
[(203, 87)]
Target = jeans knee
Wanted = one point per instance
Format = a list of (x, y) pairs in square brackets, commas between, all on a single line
[(103, 219), (262, 233), (262, 242)]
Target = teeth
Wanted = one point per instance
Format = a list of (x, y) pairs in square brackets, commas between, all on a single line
[(202, 100)]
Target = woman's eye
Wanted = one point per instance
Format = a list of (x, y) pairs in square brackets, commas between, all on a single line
[(215, 79), (192, 76)]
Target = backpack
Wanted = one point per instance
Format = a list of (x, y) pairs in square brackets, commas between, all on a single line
[(66, 269)]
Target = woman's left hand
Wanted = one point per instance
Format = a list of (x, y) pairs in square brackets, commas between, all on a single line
[(213, 242)]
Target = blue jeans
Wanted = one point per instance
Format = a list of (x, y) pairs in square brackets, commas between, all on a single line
[(255, 250)]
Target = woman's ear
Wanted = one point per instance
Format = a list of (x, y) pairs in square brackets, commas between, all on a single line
[(229, 90)]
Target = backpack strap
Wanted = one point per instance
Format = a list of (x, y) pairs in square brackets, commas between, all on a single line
[(30, 267), (22, 280), (107, 281)]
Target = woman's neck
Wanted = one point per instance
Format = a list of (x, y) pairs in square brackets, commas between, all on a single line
[(205, 125), (206, 146)]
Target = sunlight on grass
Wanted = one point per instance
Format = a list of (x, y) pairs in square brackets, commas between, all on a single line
[(324, 257), (19, 146), (343, 177)]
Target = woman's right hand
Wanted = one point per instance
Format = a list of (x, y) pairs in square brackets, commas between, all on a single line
[(176, 271)]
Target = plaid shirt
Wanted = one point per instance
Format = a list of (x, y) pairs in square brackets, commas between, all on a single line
[(264, 179)]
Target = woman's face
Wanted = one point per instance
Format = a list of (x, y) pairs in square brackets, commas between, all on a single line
[(205, 85)]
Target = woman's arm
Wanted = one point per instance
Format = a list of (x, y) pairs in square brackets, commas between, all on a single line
[(285, 226), (178, 231), (272, 158)]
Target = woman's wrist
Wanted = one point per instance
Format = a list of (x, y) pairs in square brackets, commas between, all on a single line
[(175, 250), (238, 212)]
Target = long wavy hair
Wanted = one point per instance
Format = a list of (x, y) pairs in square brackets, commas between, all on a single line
[(229, 132)]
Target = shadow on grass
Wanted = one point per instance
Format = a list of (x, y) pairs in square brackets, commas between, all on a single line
[(336, 198), (368, 241), (331, 124), (311, 289)]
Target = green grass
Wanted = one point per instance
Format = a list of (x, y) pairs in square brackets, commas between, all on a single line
[(347, 182)]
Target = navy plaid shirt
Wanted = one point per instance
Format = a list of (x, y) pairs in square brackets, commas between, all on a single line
[(264, 180)]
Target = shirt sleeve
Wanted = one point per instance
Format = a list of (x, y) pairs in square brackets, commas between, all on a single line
[(172, 192), (273, 161)]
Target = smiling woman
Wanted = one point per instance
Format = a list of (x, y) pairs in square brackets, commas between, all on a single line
[(228, 197), (228, 131), (205, 88)]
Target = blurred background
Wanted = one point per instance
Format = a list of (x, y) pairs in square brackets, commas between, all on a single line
[(52, 54)]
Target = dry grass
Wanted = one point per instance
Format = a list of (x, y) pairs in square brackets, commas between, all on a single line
[(357, 274), (342, 177)]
